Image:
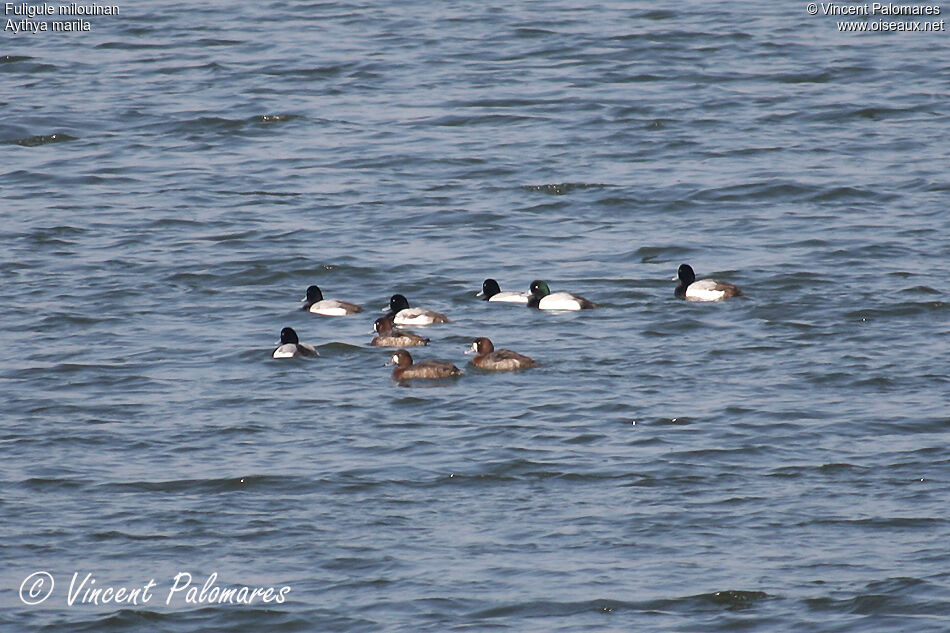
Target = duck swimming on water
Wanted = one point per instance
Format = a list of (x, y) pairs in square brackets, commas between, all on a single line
[(704, 289), (487, 357), (406, 370), (543, 299)]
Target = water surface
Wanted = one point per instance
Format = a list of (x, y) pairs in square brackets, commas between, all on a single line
[(174, 179)]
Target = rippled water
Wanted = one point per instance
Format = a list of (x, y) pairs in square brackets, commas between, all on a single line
[(173, 180)]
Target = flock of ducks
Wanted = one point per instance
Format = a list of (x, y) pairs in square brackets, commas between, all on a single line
[(539, 296)]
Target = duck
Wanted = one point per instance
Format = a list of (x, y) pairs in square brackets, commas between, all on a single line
[(704, 289), (406, 370), (387, 336), (291, 347), (493, 293), (402, 314), (316, 304), (486, 357), (542, 298)]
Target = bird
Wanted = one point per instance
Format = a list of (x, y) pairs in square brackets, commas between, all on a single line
[(493, 293), (402, 314), (315, 303), (406, 370), (486, 357), (543, 299), (704, 289), (388, 336), (290, 346)]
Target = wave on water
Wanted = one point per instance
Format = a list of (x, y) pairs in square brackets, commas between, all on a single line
[(560, 189), (44, 139), (727, 599)]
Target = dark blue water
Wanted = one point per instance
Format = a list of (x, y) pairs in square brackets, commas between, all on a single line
[(174, 179)]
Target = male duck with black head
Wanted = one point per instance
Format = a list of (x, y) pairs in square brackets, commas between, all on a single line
[(402, 314), (543, 299), (316, 304), (407, 370), (291, 347), (490, 359), (493, 293), (388, 336), (704, 289)]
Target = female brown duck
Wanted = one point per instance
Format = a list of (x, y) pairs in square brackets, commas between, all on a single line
[(486, 357), (406, 370), (388, 336)]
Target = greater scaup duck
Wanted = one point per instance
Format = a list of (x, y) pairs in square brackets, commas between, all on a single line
[(486, 357), (406, 370), (702, 290), (402, 314), (492, 292), (543, 299), (387, 336), (290, 346), (315, 303)]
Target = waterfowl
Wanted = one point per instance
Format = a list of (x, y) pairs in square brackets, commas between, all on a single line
[(387, 336), (290, 346), (492, 292), (702, 290), (402, 314), (406, 370), (486, 357), (543, 299), (315, 303)]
